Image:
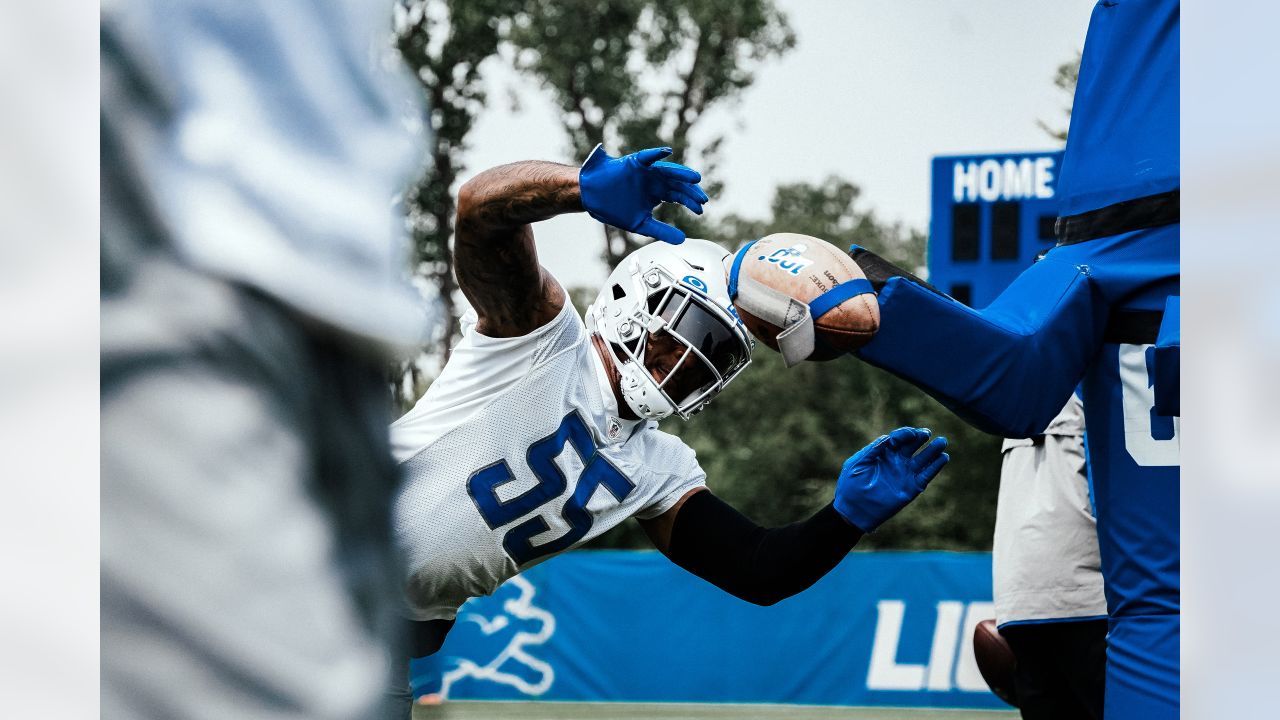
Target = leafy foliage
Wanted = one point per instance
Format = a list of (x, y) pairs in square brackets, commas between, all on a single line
[(444, 43), (1065, 80), (827, 210), (642, 73)]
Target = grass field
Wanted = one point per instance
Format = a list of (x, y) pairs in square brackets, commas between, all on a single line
[(469, 710)]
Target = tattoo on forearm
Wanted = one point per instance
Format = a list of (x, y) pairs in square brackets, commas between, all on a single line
[(525, 192), (495, 256), (503, 282)]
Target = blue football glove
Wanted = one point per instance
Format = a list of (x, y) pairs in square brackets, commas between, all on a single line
[(884, 476), (624, 191)]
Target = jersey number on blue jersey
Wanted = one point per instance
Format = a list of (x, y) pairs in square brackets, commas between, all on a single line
[(1151, 440), (596, 471)]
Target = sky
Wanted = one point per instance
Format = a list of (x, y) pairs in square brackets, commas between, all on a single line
[(871, 92)]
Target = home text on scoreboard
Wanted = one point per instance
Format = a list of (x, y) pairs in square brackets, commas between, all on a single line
[(991, 216)]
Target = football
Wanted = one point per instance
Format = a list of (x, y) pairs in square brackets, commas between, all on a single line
[(804, 267), (995, 661)]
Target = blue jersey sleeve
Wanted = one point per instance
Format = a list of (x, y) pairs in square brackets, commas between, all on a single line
[(1008, 369)]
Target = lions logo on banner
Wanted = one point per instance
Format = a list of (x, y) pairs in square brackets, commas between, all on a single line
[(495, 640)]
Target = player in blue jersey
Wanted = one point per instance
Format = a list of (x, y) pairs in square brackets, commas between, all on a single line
[(1089, 313)]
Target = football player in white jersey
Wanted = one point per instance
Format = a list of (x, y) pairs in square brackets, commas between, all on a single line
[(540, 433)]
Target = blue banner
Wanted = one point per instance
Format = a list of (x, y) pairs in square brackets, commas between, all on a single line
[(883, 628)]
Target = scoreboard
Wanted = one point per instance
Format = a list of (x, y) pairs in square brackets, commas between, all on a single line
[(991, 216)]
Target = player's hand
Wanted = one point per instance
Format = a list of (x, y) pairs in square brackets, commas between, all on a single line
[(884, 476), (624, 191)]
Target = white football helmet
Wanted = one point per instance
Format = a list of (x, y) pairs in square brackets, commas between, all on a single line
[(663, 293)]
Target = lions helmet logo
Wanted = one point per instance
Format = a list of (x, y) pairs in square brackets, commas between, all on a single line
[(695, 283)]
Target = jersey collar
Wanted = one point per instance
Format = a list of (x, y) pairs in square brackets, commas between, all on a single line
[(613, 429)]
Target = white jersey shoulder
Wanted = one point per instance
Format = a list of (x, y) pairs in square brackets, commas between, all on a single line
[(514, 455)]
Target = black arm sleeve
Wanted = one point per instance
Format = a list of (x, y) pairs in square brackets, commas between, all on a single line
[(760, 565)]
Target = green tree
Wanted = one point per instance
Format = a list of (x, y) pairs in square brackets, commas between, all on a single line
[(1064, 79), (444, 43), (828, 210), (773, 443), (640, 73)]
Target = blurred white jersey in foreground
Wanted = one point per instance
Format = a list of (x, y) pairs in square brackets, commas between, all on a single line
[(270, 140)]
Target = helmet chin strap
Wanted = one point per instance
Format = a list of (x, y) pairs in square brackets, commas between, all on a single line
[(642, 394)]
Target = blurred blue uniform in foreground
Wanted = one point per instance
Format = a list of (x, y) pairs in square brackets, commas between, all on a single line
[(1089, 313)]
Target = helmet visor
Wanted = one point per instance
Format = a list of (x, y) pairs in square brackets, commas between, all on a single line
[(696, 352)]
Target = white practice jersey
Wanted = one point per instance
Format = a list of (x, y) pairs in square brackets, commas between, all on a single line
[(516, 454), (1044, 560)]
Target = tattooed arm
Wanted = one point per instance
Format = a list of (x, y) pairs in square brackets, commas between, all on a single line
[(494, 254)]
